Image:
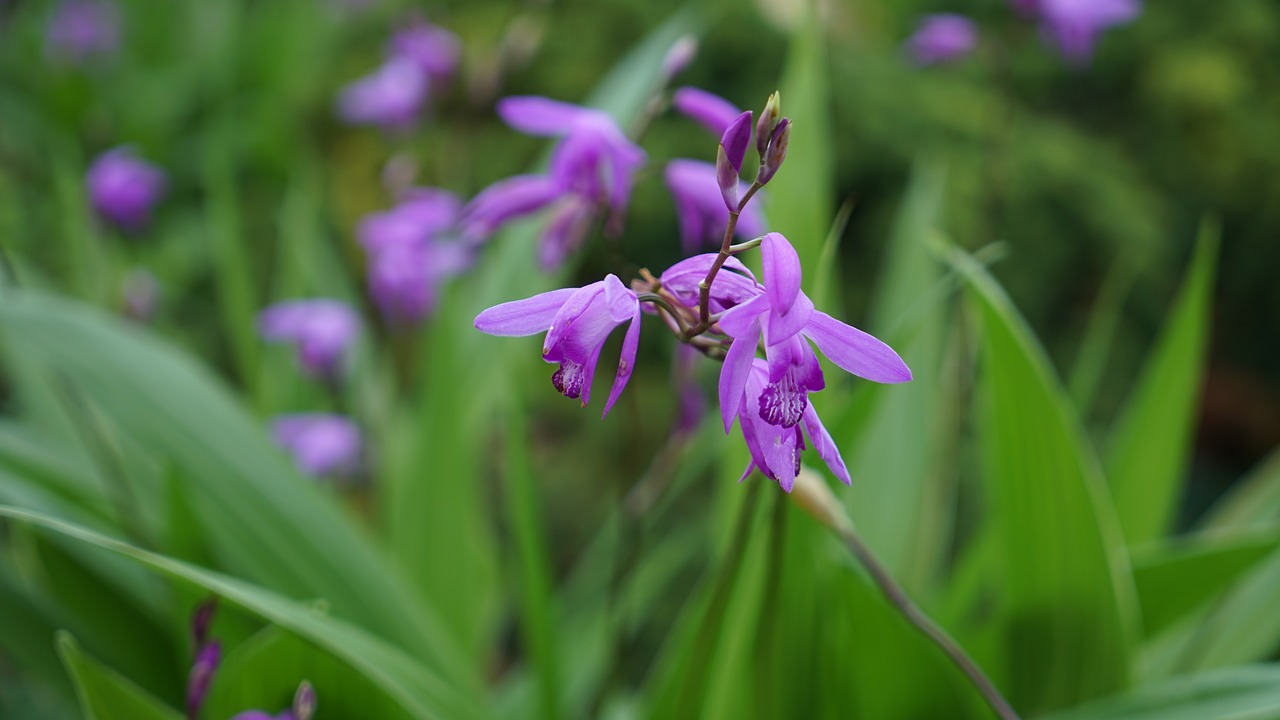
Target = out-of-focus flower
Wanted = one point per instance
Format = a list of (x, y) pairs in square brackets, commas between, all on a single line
[(322, 444), (507, 200), (123, 189), (577, 322), (141, 291), (940, 38), (391, 98), (412, 251), (322, 330), (82, 29), (708, 110), (433, 49), (201, 619), (679, 56), (700, 207), (206, 662), (693, 405), (1075, 25), (784, 317)]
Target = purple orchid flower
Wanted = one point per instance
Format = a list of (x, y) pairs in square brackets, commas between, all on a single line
[(123, 189), (201, 676), (411, 253), (678, 57), (728, 290), (391, 98), (322, 444), (709, 110), (1075, 25), (784, 317), (700, 207), (433, 49), (322, 330), (941, 38), (82, 29), (577, 323), (505, 201)]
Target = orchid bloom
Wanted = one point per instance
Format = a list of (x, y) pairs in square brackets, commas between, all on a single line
[(699, 207), (322, 444), (392, 97), (322, 330), (942, 38), (123, 188), (577, 323), (1075, 25), (784, 317), (707, 109), (433, 49)]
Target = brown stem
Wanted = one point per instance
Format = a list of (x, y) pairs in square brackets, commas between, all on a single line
[(704, 287)]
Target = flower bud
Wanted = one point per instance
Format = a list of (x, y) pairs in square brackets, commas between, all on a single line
[(735, 140), (727, 179), (201, 618), (769, 118), (201, 676), (679, 56), (776, 153), (813, 496), (304, 702)]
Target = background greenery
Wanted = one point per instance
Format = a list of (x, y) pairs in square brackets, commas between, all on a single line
[(1075, 262)]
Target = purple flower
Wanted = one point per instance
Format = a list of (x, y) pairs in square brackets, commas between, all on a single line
[(729, 157), (123, 189), (198, 681), (941, 38), (391, 98), (322, 444), (577, 323), (507, 200), (679, 56), (201, 619), (1074, 25), (411, 253), (728, 290), (784, 317), (322, 330), (260, 715), (433, 49), (711, 111), (81, 29), (700, 207)]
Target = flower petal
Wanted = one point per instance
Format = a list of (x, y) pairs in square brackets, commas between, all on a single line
[(626, 360), (744, 320), (736, 371), (538, 115), (524, 317), (824, 445), (735, 140), (621, 301), (855, 351), (711, 111), (785, 325), (781, 271)]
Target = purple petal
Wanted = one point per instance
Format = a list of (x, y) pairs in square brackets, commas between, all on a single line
[(540, 116), (743, 320), (781, 271), (433, 49), (123, 188), (856, 352), (735, 140), (321, 443), (620, 300), (626, 360), (824, 445), (711, 111), (506, 200), (735, 373), (569, 224), (524, 317), (781, 326), (392, 97)]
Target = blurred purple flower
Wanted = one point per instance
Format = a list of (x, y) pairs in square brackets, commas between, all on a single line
[(433, 49), (82, 29), (711, 111), (321, 329), (678, 57), (506, 200), (411, 252), (700, 208), (201, 675), (1075, 25), (322, 444), (570, 221), (729, 289), (693, 405), (391, 98), (577, 322), (941, 38), (123, 189)]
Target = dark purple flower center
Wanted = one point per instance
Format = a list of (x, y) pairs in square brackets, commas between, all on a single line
[(568, 378), (783, 403)]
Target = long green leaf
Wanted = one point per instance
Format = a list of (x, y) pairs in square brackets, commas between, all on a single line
[(105, 694), (1243, 693), (1152, 439), (421, 691), (1067, 606)]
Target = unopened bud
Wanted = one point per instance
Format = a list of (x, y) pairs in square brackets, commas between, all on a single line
[(776, 153), (727, 179), (813, 496), (201, 619), (304, 702), (769, 118), (201, 676), (735, 140), (679, 56)]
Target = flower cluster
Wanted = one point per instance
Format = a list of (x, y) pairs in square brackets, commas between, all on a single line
[(714, 304)]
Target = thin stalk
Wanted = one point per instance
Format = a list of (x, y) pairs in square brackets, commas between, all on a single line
[(726, 245), (914, 615)]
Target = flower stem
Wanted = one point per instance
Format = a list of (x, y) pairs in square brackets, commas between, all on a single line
[(726, 249), (914, 615)]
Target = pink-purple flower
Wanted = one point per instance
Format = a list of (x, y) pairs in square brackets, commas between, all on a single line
[(1074, 26), (322, 444), (322, 330), (577, 322), (81, 30), (201, 676), (707, 109), (123, 189), (941, 38), (419, 59), (700, 207), (412, 249), (433, 49)]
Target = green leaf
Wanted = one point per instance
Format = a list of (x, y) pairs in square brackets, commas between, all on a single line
[(1173, 580), (1242, 693), (420, 690), (105, 694), (1151, 441), (1252, 502), (1067, 606)]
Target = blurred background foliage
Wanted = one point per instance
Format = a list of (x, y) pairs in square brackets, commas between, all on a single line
[(565, 587)]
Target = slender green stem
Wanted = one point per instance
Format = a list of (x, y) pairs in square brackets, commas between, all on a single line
[(914, 615)]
